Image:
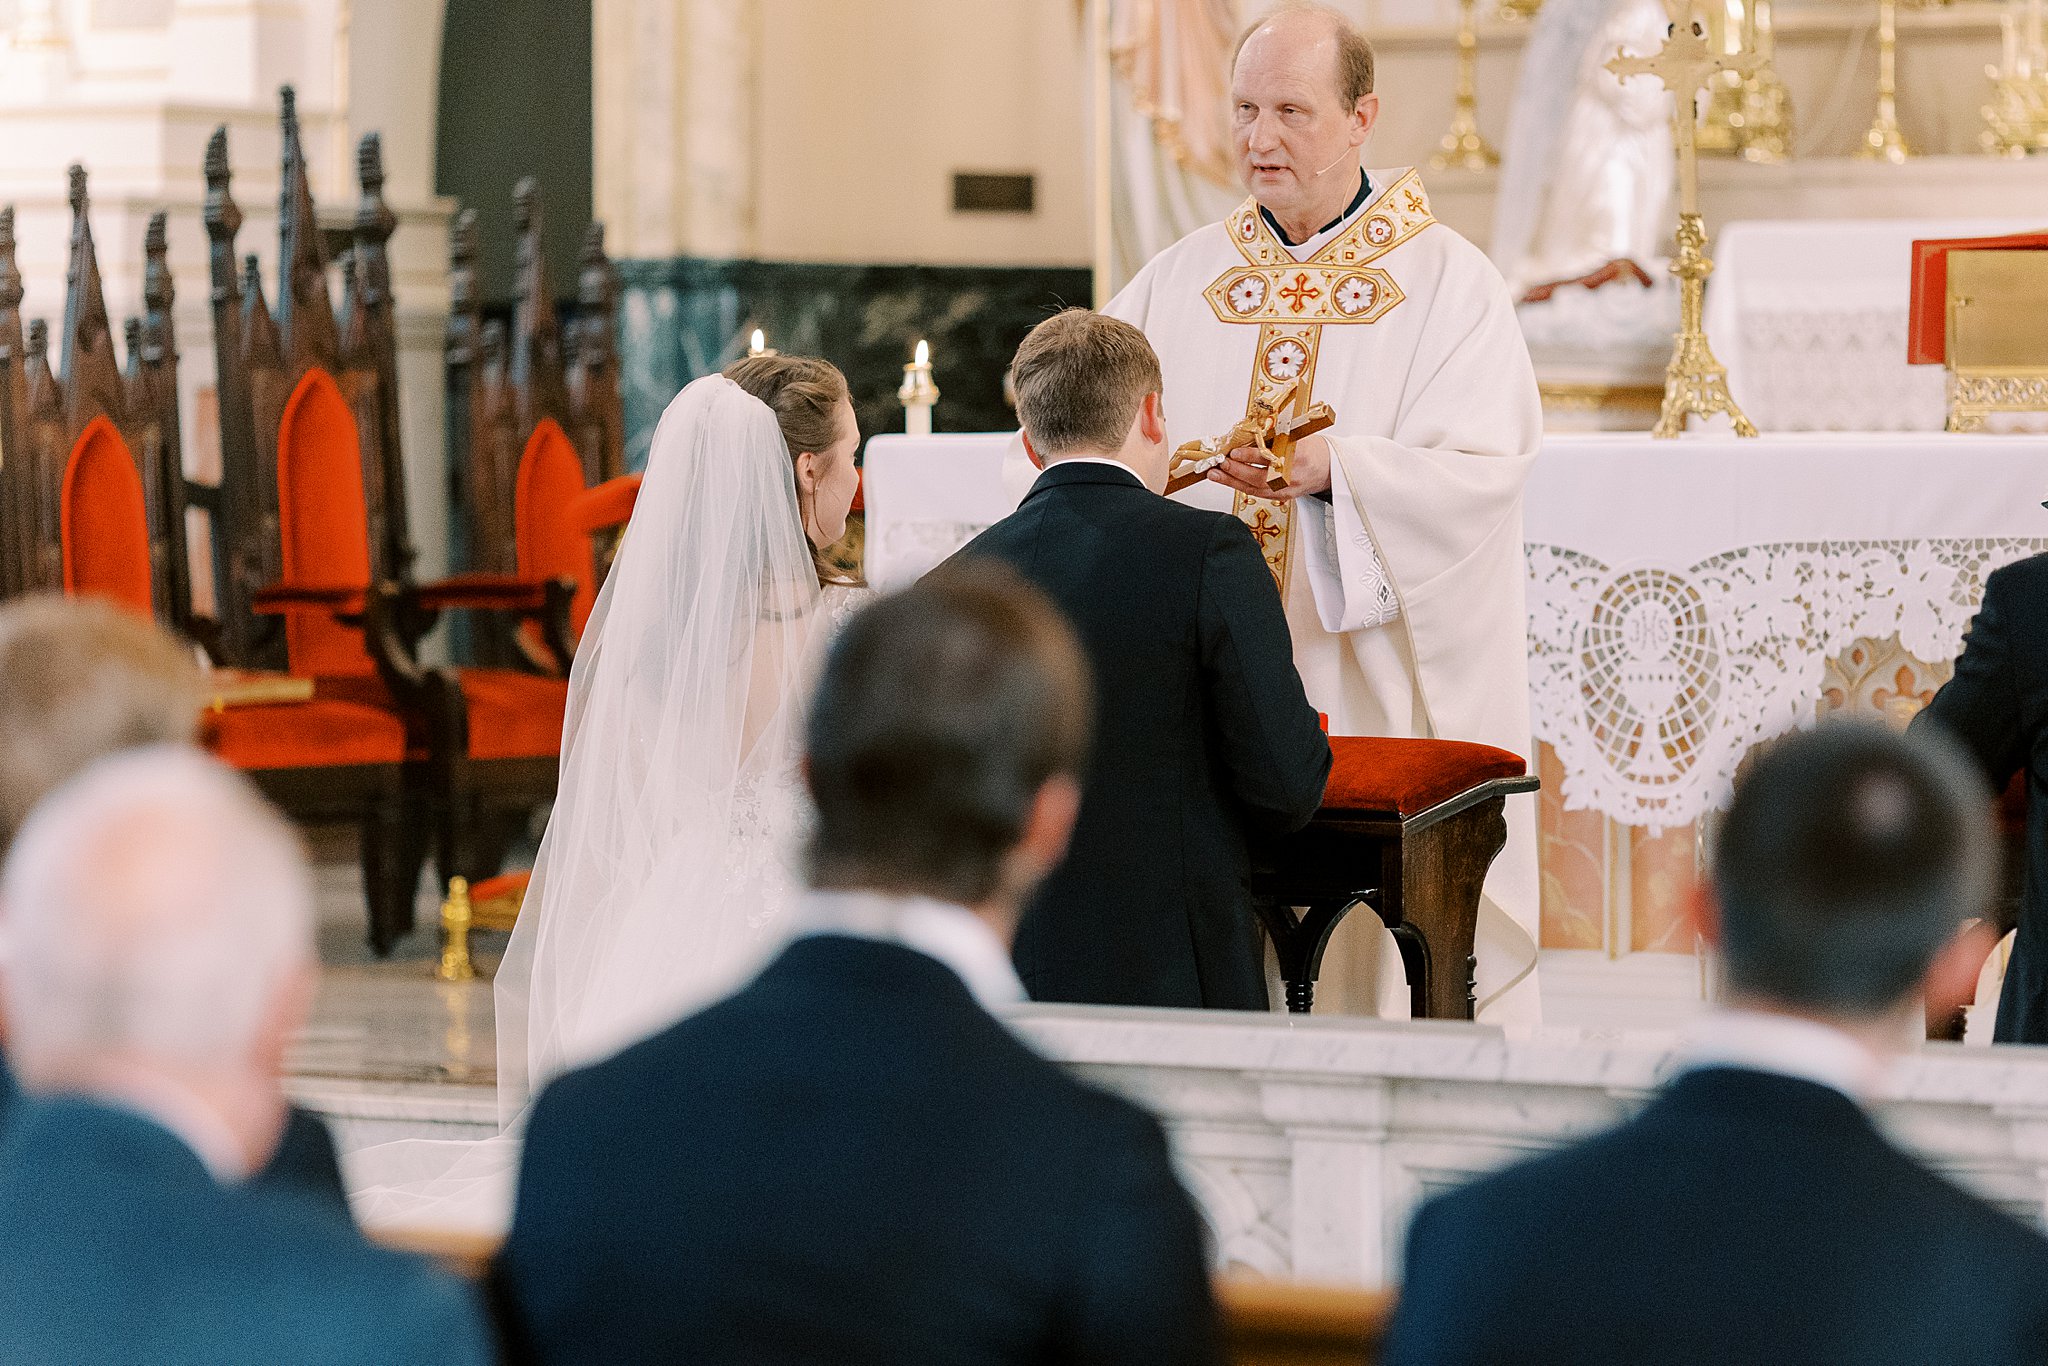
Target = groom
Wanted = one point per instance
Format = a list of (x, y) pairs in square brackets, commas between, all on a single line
[(1202, 731)]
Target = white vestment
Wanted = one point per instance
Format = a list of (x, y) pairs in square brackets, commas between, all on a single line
[(1405, 591)]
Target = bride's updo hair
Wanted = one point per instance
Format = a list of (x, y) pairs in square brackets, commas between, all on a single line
[(804, 393)]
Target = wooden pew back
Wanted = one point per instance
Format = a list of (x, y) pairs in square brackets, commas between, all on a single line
[(1265, 1323)]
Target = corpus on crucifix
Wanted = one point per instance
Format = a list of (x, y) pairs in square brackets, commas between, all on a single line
[(1694, 382)]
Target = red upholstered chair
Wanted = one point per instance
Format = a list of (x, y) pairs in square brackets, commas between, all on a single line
[(1409, 827), (314, 490), (102, 450)]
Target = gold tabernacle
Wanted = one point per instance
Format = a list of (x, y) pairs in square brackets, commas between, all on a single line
[(1997, 346), (1270, 428)]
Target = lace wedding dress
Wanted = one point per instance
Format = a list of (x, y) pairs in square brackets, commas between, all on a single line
[(671, 856)]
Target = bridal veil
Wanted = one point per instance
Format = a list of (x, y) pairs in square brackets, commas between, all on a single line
[(669, 855)]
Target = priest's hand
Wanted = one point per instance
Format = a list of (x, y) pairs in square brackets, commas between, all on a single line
[(1245, 470)]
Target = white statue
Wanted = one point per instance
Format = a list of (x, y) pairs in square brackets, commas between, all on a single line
[(1587, 174)]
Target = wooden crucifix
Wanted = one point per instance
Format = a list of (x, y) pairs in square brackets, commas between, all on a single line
[(1269, 427)]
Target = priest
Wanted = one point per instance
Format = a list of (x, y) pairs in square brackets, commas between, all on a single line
[(1397, 538)]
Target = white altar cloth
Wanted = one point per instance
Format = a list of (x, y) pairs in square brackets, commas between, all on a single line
[(1810, 318), (1684, 596)]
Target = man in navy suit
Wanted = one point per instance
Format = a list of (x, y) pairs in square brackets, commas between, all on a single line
[(1202, 734), (1997, 705), (158, 927), (1752, 1211), (81, 679), (854, 1161)]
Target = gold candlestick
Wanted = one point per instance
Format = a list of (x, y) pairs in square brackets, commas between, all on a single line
[(1883, 141), (1463, 145), (1694, 382), (1766, 104), (2016, 120)]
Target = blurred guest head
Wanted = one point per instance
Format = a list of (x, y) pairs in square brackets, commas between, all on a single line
[(80, 679), (157, 923), (1088, 384), (815, 411), (946, 743), (1846, 868)]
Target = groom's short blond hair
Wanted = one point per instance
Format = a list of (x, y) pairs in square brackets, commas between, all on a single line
[(1080, 377)]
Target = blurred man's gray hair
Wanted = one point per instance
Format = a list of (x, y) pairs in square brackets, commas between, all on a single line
[(154, 907)]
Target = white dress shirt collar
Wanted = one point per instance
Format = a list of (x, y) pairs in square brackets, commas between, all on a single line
[(1807, 1050), (954, 935), (1093, 460)]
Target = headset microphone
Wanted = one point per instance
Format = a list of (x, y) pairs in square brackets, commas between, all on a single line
[(1349, 154)]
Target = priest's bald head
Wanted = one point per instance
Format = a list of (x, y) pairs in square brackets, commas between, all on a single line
[(1302, 104)]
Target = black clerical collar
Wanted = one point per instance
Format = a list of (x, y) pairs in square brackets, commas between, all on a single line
[(1357, 203)]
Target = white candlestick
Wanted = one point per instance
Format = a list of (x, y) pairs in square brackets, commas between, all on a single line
[(918, 394)]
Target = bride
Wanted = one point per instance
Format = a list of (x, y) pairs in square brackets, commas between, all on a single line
[(669, 857)]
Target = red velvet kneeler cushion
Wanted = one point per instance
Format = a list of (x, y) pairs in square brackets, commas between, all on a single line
[(322, 522), (322, 733), (105, 521), (549, 545), (1408, 777)]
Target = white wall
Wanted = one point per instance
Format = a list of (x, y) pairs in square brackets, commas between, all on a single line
[(134, 91), (829, 130), (868, 107)]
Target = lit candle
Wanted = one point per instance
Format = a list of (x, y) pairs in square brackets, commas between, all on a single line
[(918, 393), (759, 345)]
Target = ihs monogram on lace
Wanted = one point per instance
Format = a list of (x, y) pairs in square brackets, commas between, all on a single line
[(1652, 682)]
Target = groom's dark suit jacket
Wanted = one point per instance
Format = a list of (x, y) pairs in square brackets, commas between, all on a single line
[(1202, 733), (849, 1163)]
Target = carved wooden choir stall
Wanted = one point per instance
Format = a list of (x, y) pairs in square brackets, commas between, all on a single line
[(324, 700), (94, 504), (313, 511), (539, 434)]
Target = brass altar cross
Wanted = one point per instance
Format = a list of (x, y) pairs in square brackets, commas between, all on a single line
[(1685, 64), (1694, 382)]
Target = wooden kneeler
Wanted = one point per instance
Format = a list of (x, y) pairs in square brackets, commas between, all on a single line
[(1409, 827)]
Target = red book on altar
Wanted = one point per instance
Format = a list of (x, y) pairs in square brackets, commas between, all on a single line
[(1927, 324)]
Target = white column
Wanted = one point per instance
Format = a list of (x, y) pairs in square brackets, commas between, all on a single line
[(394, 82), (676, 167)]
